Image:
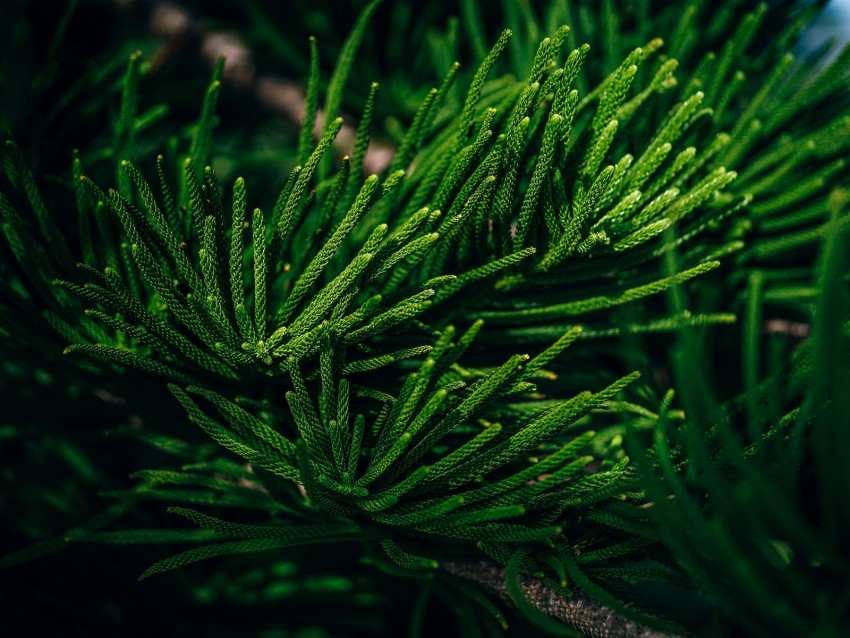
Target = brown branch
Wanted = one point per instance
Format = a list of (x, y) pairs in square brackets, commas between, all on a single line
[(579, 611)]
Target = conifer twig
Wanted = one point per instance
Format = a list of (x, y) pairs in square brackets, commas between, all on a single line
[(579, 611)]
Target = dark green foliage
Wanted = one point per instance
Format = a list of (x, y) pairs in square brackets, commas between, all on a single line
[(463, 357)]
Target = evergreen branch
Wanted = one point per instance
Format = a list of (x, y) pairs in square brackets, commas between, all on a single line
[(578, 610)]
